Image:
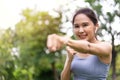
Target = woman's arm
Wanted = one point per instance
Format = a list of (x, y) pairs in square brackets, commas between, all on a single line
[(99, 48), (66, 72)]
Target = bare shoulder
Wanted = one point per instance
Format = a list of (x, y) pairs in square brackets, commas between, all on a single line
[(107, 50), (106, 45)]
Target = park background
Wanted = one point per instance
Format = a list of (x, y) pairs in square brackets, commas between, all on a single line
[(25, 25)]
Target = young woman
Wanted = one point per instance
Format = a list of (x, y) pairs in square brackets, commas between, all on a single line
[(87, 57)]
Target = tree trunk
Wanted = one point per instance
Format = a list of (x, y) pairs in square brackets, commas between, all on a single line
[(114, 54), (113, 64), (54, 71)]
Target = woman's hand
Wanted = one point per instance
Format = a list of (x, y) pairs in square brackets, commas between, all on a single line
[(71, 53), (54, 42)]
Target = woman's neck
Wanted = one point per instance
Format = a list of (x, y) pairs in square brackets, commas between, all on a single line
[(94, 40)]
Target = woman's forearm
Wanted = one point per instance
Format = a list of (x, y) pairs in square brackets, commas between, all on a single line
[(87, 47), (79, 45), (65, 74)]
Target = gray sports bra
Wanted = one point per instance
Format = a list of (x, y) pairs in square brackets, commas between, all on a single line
[(90, 68)]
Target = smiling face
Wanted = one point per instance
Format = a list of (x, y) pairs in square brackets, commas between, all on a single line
[(84, 28)]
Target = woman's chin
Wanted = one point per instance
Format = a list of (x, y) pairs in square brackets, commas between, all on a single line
[(83, 39)]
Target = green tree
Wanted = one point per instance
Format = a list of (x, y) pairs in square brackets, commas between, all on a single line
[(7, 66), (34, 60)]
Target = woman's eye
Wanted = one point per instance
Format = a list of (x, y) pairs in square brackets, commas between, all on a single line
[(84, 25), (76, 26)]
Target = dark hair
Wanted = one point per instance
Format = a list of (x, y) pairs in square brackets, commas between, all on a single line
[(89, 13)]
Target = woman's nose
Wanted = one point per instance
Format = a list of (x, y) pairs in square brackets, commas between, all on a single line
[(81, 30)]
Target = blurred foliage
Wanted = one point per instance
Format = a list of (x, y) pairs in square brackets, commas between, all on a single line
[(30, 59), (30, 38), (7, 65)]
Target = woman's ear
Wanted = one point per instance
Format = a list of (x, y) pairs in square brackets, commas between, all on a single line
[(96, 27)]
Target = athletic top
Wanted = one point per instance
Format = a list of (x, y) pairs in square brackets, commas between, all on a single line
[(90, 68)]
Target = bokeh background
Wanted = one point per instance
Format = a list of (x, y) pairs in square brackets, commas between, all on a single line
[(25, 25)]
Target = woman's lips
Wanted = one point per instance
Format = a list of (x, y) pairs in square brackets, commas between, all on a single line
[(82, 36)]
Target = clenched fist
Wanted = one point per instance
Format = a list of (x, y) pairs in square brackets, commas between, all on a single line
[(54, 42)]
